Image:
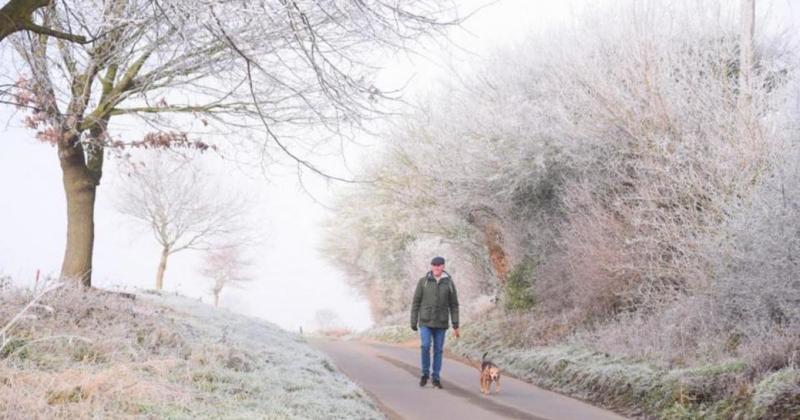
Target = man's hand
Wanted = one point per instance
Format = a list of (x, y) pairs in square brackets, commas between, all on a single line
[(457, 332), (414, 327)]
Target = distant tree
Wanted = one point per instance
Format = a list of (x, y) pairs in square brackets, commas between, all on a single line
[(226, 266), (182, 206), (264, 71), (326, 319)]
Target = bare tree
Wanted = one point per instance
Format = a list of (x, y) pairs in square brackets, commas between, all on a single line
[(327, 319), (182, 206), (226, 266), (273, 73)]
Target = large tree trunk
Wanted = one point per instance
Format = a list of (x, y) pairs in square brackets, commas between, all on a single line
[(16, 16), (485, 220), (80, 187), (216, 298), (162, 267)]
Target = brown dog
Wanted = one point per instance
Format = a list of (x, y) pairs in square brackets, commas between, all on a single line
[(489, 373)]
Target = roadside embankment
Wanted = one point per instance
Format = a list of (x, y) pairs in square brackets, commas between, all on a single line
[(79, 353), (633, 387)]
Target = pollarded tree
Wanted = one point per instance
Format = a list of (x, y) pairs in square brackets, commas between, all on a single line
[(183, 207), (271, 72)]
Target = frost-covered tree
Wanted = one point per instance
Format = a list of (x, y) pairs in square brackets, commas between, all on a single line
[(606, 156), (183, 206), (226, 266), (262, 78), (326, 319)]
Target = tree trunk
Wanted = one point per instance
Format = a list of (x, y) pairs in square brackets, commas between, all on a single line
[(216, 298), (16, 16), (486, 220), (497, 255), (80, 187), (746, 55), (162, 267)]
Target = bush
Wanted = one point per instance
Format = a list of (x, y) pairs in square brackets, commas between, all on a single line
[(519, 291)]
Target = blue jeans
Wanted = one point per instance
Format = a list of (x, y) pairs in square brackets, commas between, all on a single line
[(437, 334)]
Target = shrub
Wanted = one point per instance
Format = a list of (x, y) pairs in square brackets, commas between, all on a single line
[(518, 294)]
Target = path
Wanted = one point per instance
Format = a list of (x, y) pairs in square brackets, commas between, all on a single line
[(391, 374)]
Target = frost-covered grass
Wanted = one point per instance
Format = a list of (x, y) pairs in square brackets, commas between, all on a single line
[(638, 387), (389, 334), (780, 390), (95, 354)]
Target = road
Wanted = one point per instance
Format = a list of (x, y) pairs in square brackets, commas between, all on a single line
[(390, 374)]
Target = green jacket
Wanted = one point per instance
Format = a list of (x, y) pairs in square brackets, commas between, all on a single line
[(434, 304)]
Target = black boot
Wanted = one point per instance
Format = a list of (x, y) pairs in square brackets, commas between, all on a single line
[(423, 380), (437, 383)]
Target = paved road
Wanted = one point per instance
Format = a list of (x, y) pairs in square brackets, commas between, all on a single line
[(391, 374)]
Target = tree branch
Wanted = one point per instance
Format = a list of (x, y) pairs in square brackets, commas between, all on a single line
[(30, 26), (15, 16)]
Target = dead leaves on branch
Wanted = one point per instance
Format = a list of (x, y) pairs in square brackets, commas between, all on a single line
[(165, 140), (47, 131)]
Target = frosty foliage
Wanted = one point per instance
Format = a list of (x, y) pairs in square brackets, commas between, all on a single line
[(228, 67), (618, 158)]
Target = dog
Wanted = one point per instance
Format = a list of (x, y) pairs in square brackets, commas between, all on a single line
[(489, 373)]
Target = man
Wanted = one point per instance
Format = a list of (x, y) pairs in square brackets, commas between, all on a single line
[(435, 303)]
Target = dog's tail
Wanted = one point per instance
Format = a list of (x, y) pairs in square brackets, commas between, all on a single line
[(483, 361)]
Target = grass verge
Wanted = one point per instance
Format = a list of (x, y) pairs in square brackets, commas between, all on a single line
[(632, 387), (83, 353)]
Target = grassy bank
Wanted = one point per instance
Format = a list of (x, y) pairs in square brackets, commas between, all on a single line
[(633, 387), (636, 387), (94, 354)]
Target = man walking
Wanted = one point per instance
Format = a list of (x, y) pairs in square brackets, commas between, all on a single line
[(435, 303)]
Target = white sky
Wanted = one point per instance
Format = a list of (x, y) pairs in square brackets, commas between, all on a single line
[(292, 280)]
